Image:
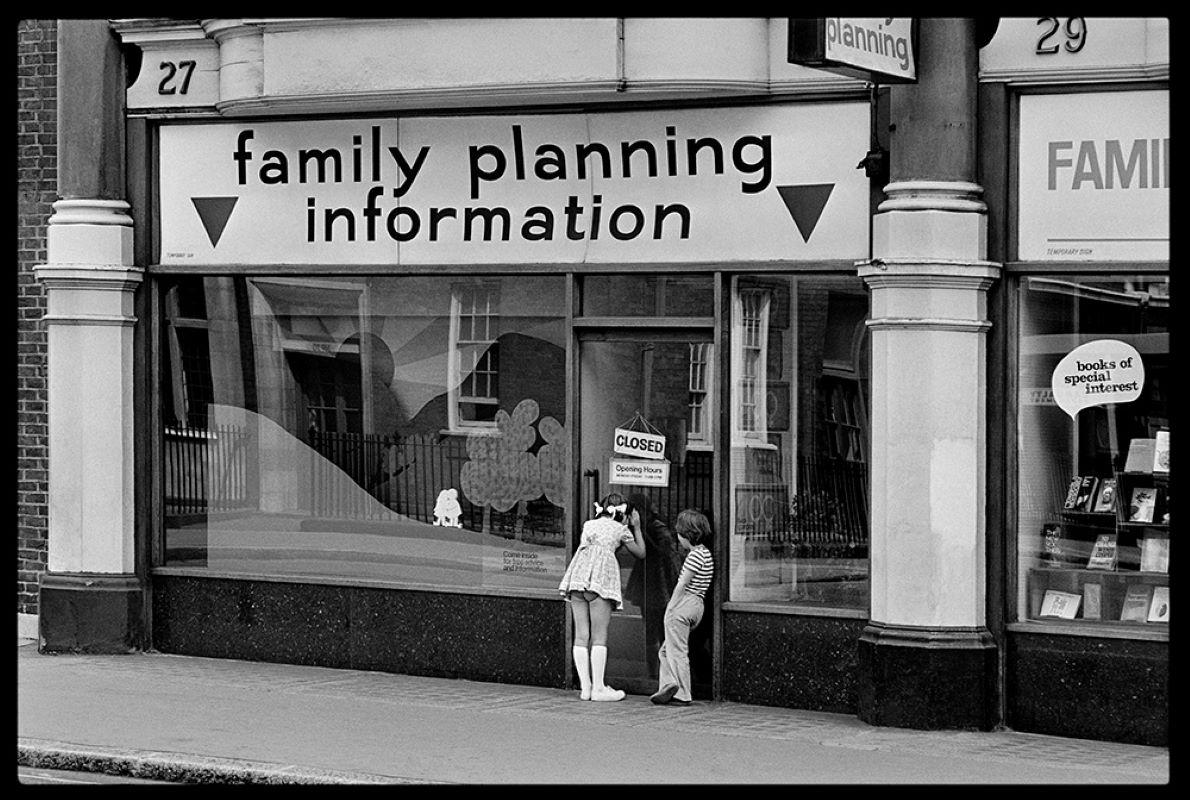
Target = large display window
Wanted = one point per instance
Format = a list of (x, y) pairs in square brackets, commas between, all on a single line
[(406, 429), (799, 396), (1094, 483)]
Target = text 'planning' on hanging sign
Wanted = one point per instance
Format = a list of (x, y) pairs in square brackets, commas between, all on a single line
[(639, 444)]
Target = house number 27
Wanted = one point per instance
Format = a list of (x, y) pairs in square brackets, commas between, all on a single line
[(1075, 34), (169, 81)]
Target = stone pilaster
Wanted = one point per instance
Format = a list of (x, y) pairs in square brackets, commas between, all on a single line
[(90, 597), (926, 657)]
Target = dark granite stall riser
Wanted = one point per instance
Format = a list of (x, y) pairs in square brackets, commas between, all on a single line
[(1109, 689), (500, 639), (791, 662)]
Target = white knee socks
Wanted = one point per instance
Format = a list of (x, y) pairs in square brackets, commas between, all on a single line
[(599, 690), (582, 662)]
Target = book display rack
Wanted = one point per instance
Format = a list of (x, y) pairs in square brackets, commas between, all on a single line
[(1104, 556)]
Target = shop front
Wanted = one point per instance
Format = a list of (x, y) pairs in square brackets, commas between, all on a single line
[(398, 357), (376, 310)]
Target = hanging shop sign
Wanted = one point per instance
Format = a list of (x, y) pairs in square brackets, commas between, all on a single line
[(755, 183), (877, 49), (1093, 172), (639, 444), (1098, 373), (635, 472)]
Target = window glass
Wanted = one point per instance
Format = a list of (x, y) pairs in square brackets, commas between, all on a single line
[(648, 296), (799, 441), (1093, 457), (409, 429)]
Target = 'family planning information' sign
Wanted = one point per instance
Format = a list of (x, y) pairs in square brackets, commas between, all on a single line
[(756, 183)]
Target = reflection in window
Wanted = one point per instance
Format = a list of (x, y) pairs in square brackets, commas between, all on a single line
[(475, 352), (699, 432), (799, 494), (1085, 556), (328, 428)]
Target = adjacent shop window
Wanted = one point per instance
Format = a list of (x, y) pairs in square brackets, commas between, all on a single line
[(1094, 484), (798, 467), (407, 429)]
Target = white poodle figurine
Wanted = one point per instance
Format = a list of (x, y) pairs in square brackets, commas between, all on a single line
[(447, 509)]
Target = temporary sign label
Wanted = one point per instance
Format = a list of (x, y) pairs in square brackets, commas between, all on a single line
[(755, 183), (639, 444), (1094, 176), (638, 473)]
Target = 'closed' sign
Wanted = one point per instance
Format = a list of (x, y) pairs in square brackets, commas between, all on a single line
[(641, 445)]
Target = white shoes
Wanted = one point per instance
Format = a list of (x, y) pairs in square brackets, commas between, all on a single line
[(606, 694)]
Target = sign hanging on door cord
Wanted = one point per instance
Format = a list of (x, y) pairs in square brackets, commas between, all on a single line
[(638, 437)]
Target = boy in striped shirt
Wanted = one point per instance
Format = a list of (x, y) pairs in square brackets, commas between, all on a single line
[(685, 609)]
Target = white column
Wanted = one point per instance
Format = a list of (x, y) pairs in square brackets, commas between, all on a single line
[(928, 281), (90, 285)]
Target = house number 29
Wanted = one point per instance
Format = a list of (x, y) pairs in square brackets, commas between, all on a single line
[(1075, 32), (169, 84)]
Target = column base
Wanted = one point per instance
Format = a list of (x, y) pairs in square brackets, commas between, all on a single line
[(927, 678), (94, 613)]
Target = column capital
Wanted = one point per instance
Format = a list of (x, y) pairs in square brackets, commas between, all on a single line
[(90, 211), (960, 196)]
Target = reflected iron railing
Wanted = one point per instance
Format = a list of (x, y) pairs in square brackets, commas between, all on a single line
[(206, 470), (825, 513)]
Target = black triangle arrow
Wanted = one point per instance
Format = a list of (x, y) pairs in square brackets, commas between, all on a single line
[(805, 204), (214, 211)]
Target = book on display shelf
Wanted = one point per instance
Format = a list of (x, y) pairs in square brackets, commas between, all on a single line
[(1051, 543), (1072, 493), (1105, 498), (1092, 600), (1086, 493), (1063, 605), (1159, 608), (1104, 552), (1142, 504), (1161, 452), (1141, 454), (1154, 554), (1136, 603)]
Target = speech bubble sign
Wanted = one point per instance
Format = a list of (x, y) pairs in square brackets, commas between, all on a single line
[(1097, 373)]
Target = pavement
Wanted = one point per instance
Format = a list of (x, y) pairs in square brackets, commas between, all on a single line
[(205, 720)]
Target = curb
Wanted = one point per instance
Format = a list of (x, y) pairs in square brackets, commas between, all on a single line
[(184, 767)]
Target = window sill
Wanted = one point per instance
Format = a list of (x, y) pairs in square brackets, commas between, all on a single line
[(492, 431), (791, 609), (1096, 630)]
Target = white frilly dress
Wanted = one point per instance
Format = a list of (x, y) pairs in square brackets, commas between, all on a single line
[(594, 567)]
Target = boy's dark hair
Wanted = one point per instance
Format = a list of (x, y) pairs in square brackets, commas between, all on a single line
[(613, 499), (693, 526)]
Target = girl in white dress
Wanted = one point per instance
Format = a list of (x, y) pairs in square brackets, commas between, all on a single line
[(591, 584)]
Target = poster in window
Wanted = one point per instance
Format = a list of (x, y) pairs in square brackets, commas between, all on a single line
[(777, 404)]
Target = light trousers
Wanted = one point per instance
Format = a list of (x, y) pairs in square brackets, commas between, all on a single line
[(674, 655)]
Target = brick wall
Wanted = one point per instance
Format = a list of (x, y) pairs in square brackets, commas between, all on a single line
[(37, 147)]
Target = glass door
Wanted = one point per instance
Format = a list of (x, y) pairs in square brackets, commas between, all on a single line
[(661, 383)]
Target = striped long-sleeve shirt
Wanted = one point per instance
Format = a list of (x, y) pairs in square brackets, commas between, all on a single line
[(702, 566)]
